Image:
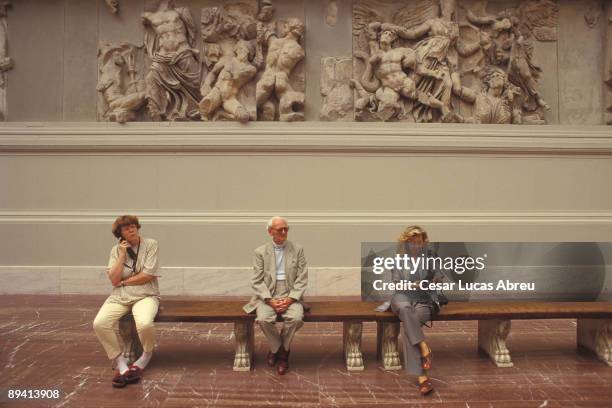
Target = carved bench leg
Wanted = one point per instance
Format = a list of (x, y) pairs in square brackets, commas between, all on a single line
[(596, 335), (351, 346), (492, 336), (245, 341), (132, 348), (387, 349)]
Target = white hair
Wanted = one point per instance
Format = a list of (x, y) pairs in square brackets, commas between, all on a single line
[(276, 217)]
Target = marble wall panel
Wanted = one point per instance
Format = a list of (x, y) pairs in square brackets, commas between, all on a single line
[(337, 281), (171, 281), (324, 40), (581, 66), (217, 281), (80, 68), (126, 26), (93, 280), (545, 56), (36, 82), (90, 280), (39, 280)]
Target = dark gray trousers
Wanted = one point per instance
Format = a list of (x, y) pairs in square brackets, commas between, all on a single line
[(413, 315)]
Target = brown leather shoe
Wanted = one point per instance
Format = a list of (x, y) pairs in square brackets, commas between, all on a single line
[(283, 361), (425, 387), (272, 357)]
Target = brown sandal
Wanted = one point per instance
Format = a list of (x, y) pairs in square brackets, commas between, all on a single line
[(119, 380), (133, 375), (425, 387)]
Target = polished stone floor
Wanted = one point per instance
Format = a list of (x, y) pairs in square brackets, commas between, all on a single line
[(46, 342)]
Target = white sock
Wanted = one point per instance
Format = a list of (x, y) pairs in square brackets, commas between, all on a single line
[(122, 364), (143, 361)]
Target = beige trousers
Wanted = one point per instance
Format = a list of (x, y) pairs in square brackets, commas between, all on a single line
[(292, 320), (106, 324)]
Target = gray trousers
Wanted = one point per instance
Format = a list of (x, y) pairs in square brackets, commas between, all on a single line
[(292, 320), (413, 314)]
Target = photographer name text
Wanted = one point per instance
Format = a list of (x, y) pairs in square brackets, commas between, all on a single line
[(501, 285)]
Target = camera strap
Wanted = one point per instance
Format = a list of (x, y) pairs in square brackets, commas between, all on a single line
[(136, 257)]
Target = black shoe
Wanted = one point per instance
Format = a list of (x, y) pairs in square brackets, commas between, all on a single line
[(283, 361)]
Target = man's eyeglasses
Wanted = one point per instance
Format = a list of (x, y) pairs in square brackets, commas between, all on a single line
[(283, 230)]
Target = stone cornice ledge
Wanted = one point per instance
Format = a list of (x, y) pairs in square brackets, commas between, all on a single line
[(326, 218), (304, 137)]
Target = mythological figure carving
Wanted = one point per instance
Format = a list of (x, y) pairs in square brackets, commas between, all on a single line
[(385, 76), (229, 35), (437, 51), (511, 48), (6, 62), (608, 64), (173, 80), (224, 82), (239, 41), (120, 93), (283, 53), (428, 63), (496, 102), (113, 6), (335, 89)]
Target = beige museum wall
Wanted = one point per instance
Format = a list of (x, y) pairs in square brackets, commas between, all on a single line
[(206, 195), (205, 191)]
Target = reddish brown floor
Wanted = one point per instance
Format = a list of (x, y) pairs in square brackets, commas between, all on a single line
[(47, 342)]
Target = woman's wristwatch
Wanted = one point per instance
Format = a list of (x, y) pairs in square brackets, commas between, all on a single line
[(122, 283)]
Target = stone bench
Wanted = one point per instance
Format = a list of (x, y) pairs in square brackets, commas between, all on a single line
[(594, 330)]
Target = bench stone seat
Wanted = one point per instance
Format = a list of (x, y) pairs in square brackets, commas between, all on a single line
[(594, 327)]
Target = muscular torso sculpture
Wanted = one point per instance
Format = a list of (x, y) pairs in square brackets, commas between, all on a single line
[(283, 55), (172, 84)]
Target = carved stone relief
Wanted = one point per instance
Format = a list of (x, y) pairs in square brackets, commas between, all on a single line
[(608, 62), (6, 62), (331, 17), (280, 89), (538, 18), (593, 14), (336, 74), (230, 67), (121, 92), (251, 64), (113, 6), (173, 77), (416, 62)]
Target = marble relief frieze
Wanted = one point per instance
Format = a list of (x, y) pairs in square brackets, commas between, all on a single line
[(6, 62), (251, 64), (420, 61), (427, 62), (121, 87)]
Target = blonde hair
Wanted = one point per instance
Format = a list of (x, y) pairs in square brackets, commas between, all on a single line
[(412, 231)]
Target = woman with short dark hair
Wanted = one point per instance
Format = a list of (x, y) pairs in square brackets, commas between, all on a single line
[(132, 270)]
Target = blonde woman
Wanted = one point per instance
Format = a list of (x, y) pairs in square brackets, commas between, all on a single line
[(415, 307)]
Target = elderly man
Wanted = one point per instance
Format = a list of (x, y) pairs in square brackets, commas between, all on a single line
[(280, 276)]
